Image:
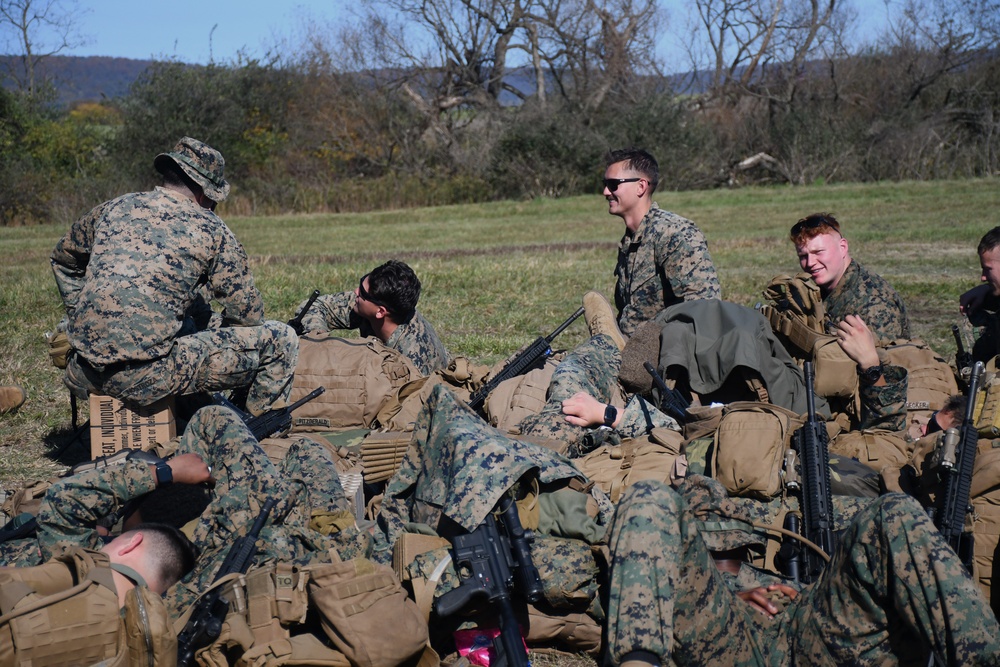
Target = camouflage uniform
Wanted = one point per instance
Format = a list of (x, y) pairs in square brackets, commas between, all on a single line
[(305, 483), (870, 297), (458, 469), (664, 262), (893, 590), (592, 367), (986, 321), (415, 339), (135, 271)]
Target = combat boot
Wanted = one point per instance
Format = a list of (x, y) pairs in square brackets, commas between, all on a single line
[(11, 398), (600, 318)]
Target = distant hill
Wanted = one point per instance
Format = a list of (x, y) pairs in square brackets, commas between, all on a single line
[(82, 79)]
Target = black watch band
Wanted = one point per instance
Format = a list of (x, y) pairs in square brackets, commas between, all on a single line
[(164, 475), (610, 415), (871, 374)]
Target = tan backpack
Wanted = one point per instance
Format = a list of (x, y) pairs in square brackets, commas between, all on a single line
[(520, 396), (361, 377), (332, 614), (615, 467), (66, 612)]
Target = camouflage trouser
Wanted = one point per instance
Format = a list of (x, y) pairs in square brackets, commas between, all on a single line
[(306, 482), (591, 367), (894, 589), (262, 358)]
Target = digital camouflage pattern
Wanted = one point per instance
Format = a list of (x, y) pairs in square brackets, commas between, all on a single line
[(885, 407), (262, 358), (870, 297), (457, 467), (592, 367), (132, 274), (985, 322), (665, 262), (202, 163), (893, 589), (306, 485), (415, 339)]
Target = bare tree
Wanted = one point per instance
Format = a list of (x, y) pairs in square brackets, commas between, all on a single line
[(35, 30)]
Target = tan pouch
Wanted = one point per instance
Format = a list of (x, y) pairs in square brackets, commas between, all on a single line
[(59, 348), (836, 373), (750, 446)]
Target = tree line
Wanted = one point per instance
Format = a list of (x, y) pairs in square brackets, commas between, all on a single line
[(427, 102)]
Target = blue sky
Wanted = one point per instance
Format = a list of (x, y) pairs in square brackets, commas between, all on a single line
[(183, 29)]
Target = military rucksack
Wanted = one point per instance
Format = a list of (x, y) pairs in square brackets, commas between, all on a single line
[(66, 612), (361, 377)]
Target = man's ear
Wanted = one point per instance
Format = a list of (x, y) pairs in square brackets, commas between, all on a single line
[(131, 544), (381, 313)]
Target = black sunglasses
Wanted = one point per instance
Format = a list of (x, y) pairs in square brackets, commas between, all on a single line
[(612, 183), (363, 293)]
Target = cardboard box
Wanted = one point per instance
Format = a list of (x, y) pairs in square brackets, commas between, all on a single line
[(115, 426)]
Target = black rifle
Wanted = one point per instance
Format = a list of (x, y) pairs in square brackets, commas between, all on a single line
[(205, 623), (488, 563), (811, 443), (963, 359), (271, 422), (522, 363), (957, 460), (672, 402), (296, 322)]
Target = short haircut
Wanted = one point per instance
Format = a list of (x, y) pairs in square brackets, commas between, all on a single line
[(638, 161), (171, 553), (990, 241), (955, 405), (812, 226), (395, 286)]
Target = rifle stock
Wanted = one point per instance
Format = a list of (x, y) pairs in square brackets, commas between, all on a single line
[(953, 502), (963, 358), (521, 364), (205, 623)]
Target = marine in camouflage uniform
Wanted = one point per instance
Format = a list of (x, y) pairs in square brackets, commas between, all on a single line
[(870, 297), (415, 339), (893, 591), (312, 517), (384, 305), (592, 367), (135, 274), (662, 258), (664, 262)]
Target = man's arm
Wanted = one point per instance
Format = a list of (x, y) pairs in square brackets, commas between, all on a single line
[(232, 285), (883, 399), (71, 256), (330, 312), (72, 506), (684, 259)]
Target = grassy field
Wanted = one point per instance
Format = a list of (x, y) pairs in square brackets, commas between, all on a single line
[(497, 275)]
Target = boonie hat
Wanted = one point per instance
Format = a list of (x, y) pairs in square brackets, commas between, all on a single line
[(202, 163)]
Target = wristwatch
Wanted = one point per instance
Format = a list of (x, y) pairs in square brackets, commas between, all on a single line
[(164, 475), (871, 374), (610, 415)]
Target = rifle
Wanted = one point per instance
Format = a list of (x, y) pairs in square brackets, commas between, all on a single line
[(296, 322), (672, 402), (540, 349), (957, 459), (271, 422), (205, 623), (963, 359), (490, 562), (811, 443)]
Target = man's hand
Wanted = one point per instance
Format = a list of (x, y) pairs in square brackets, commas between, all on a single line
[(972, 300), (582, 409), (857, 341), (762, 598), (190, 469)]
